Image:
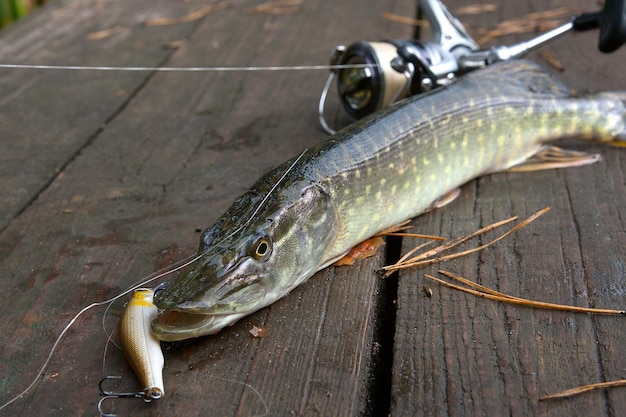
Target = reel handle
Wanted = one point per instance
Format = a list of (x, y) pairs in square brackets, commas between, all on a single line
[(612, 23)]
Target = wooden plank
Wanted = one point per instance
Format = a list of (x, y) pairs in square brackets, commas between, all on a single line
[(46, 120), (456, 354), (139, 174)]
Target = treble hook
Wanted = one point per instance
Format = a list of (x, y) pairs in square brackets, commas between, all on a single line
[(111, 394)]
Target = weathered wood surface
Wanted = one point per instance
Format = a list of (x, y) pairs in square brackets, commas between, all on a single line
[(107, 176), (455, 354)]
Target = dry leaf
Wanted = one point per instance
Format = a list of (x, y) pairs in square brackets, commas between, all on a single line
[(256, 331)]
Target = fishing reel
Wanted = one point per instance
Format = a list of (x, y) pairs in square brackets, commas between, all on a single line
[(388, 71), (372, 75)]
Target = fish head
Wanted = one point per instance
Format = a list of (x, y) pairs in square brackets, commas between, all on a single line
[(225, 279), (246, 263)]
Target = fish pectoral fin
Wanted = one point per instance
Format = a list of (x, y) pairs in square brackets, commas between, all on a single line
[(552, 157), (363, 250), (445, 199)]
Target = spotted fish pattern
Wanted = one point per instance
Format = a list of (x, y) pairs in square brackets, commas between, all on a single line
[(378, 172)]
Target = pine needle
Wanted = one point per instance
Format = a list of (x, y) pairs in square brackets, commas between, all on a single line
[(485, 292), (276, 7), (190, 17), (474, 9), (400, 230), (471, 287), (405, 20), (432, 256), (102, 34), (584, 388), (533, 22)]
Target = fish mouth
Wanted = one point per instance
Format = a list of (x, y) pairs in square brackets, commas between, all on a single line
[(220, 300), (175, 325), (172, 325)]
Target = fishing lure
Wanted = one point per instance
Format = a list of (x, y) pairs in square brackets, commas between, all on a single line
[(140, 346)]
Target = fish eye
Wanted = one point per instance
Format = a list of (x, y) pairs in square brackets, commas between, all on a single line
[(261, 248)]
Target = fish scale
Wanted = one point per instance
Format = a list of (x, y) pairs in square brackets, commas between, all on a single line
[(424, 162), (378, 172)]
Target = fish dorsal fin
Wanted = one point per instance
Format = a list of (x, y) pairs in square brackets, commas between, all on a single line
[(551, 157), (523, 78)]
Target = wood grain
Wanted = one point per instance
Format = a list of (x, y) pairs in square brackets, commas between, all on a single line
[(458, 355), (107, 177)]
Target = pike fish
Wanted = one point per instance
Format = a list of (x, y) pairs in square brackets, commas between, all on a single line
[(310, 211)]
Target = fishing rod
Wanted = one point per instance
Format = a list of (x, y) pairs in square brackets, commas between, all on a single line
[(394, 69)]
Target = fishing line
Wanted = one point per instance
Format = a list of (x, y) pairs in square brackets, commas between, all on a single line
[(187, 261), (267, 196), (159, 274), (245, 384), (183, 265), (104, 328), (106, 347), (188, 69)]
